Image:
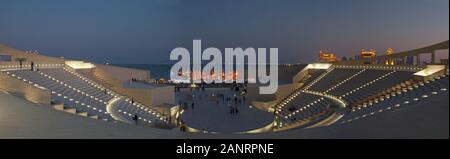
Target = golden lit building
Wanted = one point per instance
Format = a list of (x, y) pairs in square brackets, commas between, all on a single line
[(390, 61), (325, 56), (367, 54)]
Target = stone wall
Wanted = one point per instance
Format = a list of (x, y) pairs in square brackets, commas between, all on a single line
[(115, 73), (150, 97), (28, 57), (116, 76), (24, 89)]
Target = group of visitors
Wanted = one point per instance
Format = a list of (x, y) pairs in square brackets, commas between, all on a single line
[(233, 100)]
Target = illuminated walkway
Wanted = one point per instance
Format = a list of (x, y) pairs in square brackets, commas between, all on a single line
[(84, 96), (113, 110), (211, 116), (426, 119), (22, 119)]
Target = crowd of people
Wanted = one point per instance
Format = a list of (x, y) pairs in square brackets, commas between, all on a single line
[(233, 100)]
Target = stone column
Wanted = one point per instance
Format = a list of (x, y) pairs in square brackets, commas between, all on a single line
[(418, 59), (433, 57)]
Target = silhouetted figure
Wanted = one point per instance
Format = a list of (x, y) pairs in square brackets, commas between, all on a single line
[(135, 119), (32, 66), (20, 63), (105, 91)]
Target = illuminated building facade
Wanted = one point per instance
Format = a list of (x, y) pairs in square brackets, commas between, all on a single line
[(325, 56), (389, 53), (367, 54)]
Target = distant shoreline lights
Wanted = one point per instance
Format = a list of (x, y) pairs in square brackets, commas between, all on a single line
[(181, 71)]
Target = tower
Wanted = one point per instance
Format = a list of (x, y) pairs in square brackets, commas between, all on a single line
[(390, 61)]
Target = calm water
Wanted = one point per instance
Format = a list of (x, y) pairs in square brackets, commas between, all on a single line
[(156, 70)]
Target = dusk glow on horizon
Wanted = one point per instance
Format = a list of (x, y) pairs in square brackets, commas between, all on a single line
[(116, 31), (243, 78)]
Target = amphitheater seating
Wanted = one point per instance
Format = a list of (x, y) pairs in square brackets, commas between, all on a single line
[(83, 95), (375, 86), (359, 80), (303, 107), (72, 80), (314, 73), (356, 84), (418, 93), (333, 78), (366, 91), (349, 84), (70, 90), (145, 115)]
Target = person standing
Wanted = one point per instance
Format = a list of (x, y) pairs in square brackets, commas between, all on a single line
[(32, 66), (135, 119)]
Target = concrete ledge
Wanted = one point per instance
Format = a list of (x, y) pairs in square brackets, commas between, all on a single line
[(24, 89)]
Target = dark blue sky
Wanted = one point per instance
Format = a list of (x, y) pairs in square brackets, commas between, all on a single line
[(145, 31)]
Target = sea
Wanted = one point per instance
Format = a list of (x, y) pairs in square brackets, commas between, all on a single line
[(157, 71)]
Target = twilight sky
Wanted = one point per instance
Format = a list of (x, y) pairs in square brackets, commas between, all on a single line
[(145, 31)]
